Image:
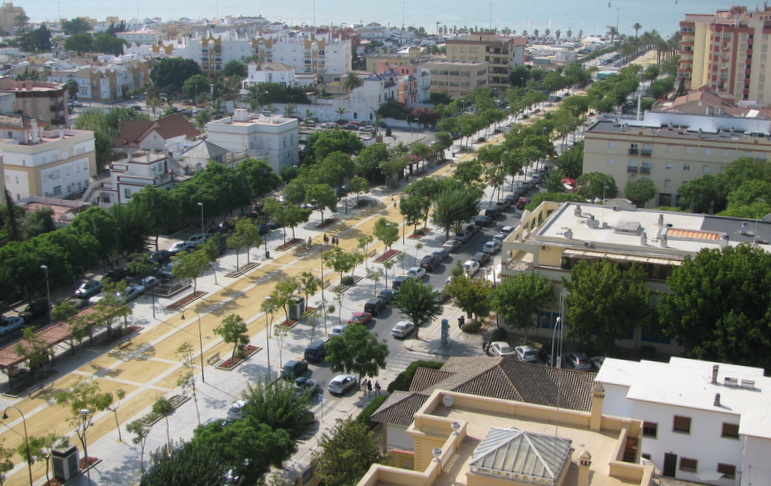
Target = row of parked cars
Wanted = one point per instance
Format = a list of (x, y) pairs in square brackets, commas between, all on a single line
[(577, 361)]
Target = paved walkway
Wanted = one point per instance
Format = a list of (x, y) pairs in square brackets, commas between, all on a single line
[(147, 367)]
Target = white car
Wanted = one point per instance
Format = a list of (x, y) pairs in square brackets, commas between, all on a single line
[(178, 247), (196, 240), (340, 384), (338, 330), (470, 267), (416, 273), (492, 247), (403, 329), (526, 353), (10, 324), (501, 348), (235, 412)]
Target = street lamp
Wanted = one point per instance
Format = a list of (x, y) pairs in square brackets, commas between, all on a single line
[(269, 320), (201, 205), (490, 270), (200, 338), (48, 292), (85, 417), (26, 438)]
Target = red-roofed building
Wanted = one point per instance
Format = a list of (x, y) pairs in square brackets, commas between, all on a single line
[(154, 135)]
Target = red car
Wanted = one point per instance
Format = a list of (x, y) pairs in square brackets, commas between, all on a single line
[(360, 318), (523, 201)]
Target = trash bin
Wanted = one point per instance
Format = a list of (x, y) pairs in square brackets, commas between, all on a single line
[(296, 308), (65, 464)]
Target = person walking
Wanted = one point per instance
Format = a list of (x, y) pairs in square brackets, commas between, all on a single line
[(377, 388), (369, 387)]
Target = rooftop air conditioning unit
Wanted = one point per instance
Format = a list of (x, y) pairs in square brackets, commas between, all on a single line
[(731, 381)]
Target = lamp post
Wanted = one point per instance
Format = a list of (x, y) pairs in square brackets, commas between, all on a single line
[(200, 338), (85, 415), (200, 204), (490, 270), (269, 319), (26, 438), (416, 128), (48, 292)]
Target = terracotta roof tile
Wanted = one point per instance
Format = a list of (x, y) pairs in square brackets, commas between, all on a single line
[(399, 408)]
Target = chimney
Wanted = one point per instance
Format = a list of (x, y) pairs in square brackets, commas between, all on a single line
[(598, 397), (717, 400), (745, 227), (661, 220), (715, 368), (723, 241), (577, 211), (584, 462), (644, 238), (663, 240)]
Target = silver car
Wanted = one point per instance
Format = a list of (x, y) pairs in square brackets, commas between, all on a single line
[(340, 384)]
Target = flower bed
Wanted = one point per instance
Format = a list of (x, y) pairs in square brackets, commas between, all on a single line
[(186, 300), (289, 244), (387, 255), (231, 363), (419, 233), (247, 267), (328, 222)]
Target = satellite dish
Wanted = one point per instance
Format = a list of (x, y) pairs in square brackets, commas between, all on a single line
[(447, 401)]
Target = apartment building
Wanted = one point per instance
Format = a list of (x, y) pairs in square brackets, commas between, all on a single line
[(134, 173), (672, 149), (727, 51), (104, 83), (412, 79), (554, 237), (500, 53), (37, 162), (273, 139), (457, 78), (8, 14), (702, 421), (46, 102)]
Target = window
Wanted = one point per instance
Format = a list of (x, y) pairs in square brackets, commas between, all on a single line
[(728, 470), (668, 166), (667, 182), (689, 465), (725, 153), (670, 148), (688, 150), (705, 169), (611, 161), (686, 167), (707, 151), (611, 144), (650, 429), (730, 431), (682, 424)]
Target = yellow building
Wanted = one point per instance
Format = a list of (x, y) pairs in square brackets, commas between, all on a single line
[(8, 14), (38, 99), (500, 53), (457, 78)]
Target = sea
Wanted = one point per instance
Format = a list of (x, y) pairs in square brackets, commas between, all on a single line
[(590, 17)]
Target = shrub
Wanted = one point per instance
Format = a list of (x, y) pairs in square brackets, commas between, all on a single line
[(402, 382), (471, 327), (369, 410), (348, 280), (498, 335)]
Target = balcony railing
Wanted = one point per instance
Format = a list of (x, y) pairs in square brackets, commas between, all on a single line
[(631, 168), (645, 152), (645, 170), (633, 151)]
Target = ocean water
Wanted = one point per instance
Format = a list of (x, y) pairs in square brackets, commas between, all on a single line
[(589, 16)]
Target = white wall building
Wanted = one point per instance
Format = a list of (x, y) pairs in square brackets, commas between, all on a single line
[(703, 421), (131, 175), (269, 72), (274, 139)]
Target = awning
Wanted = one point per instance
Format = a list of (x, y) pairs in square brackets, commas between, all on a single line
[(619, 257)]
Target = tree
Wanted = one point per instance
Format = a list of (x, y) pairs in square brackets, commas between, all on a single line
[(455, 206), (640, 191), (636, 28), (358, 185), (386, 231), (190, 265), (596, 185), (702, 195), (79, 43), (418, 301), (519, 298), (598, 305), (140, 431), (258, 176), (120, 394), (188, 464), (717, 308), (84, 400), (34, 350), (186, 379), (195, 85), (423, 191), (276, 405), (234, 67), (308, 284), (246, 235), (164, 408), (322, 196), (350, 82), (346, 453), (42, 448), (338, 260), (172, 72), (233, 331), (472, 295), (6, 465), (109, 44), (357, 351), (75, 26)]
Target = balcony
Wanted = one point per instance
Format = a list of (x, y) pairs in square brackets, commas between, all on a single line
[(645, 170), (633, 151), (632, 169), (645, 152)]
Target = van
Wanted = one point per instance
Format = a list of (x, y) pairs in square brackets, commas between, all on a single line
[(316, 352)]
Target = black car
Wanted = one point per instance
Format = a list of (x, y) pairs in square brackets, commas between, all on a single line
[(512, 199), (482, 220), (375, 306), (441, 254), (293, 369), (35, 310), (398, 281), (481, 257), (386, 295), (116, 274), (160, 257), (429, 262)]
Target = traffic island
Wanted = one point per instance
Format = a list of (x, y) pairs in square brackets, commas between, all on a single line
[(387, 255), (419, 233), (230, 363)]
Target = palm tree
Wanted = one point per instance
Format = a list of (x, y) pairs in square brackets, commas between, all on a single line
[(535, 33), (557, 34), (546, 33), (612, 32), (636, 28), (341, 111), (569, 33), (351, 81)]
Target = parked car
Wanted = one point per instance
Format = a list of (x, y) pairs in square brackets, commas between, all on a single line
[(507, 229), (482, 220), (338, 330), (597, 361), (481, 257), (511, 199), (316, 351), (196, 240), (360, 318), (375, 306), (523, 201), (464, 236), (10, 324), (160, 257), (501, 348), (115, 275), (416, 273), (502, 206), (470, 267), (500, 237), (429, 262), (402, 329), (306, 387), (526, 353), (179, 247), (34, 311), (293, 369), (492, 213), (398, 281), (451, 245), (441, 254), (235, 411), (492, 247), (578, 361), (132, 292), (88, 289), (149, 282), (341, 384), (386, 295)]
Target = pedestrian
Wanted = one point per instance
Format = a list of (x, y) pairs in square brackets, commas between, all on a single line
[(369, 387), (326, 238), (310, 240), (377, 388)]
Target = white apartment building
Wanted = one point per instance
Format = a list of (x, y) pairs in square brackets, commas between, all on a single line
[(53, 163), (269, 72), (134, 173), (702, 421), (274, 139)]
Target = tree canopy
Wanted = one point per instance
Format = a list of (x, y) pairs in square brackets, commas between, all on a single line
[(520, 297), (418, 301), (357, 351), (172, 72)]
